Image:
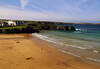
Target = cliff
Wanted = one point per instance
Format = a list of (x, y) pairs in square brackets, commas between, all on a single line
[(33, 26)]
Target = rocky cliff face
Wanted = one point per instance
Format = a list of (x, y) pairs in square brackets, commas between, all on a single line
[(65, 28), (54, 26), (37, 27)]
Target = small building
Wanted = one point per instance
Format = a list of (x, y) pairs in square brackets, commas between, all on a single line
[(20, 23), (6, 23), (11, 23)]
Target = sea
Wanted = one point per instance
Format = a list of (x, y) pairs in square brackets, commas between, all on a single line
[(84, 42)]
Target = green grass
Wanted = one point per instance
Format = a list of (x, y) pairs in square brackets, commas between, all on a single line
[(19, 27)]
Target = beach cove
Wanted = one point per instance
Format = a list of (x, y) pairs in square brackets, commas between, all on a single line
[(24, 51)]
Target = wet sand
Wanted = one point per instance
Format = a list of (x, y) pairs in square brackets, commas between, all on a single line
[(19, 51)]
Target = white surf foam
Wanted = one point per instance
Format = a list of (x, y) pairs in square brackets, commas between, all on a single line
[(46, 38), (92, 59), (78, 29), (70, 53), (95, 51)]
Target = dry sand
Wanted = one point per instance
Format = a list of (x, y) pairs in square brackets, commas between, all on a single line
[(20, 52)]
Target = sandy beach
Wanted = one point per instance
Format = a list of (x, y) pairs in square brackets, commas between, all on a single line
[(19, 51)]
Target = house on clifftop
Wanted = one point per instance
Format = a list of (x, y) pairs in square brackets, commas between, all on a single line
[(7, 23)]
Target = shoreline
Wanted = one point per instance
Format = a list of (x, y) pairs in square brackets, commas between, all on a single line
[(89, 60), (35, 53), (72, 50)]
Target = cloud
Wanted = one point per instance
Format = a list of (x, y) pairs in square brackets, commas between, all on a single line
[(63, 11), (20, 14), (38, 8), (24, 3)]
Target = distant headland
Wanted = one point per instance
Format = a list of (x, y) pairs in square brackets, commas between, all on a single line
[(21, 26), (24, 26)]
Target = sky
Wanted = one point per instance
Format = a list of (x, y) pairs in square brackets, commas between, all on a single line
[(51, 10)]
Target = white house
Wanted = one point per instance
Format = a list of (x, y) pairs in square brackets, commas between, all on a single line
[(6, 23), (11, 23)]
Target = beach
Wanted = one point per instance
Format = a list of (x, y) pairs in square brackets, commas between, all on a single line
[(24, 51)]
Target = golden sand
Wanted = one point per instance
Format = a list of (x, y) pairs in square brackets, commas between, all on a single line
[(20, 52)]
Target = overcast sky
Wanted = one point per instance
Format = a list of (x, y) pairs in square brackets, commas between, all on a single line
[(51, 10)]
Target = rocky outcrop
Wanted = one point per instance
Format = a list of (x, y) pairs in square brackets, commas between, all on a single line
[(55, 26), (65, 28), (37, 27), (70, 28)]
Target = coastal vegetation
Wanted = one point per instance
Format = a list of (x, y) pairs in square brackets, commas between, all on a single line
[(36, 26)]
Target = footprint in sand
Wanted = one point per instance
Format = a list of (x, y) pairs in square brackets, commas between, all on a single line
[(18, 42), (28, 58)]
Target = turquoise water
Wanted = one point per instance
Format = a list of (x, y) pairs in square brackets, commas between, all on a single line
[(83, 43), (87, 36)]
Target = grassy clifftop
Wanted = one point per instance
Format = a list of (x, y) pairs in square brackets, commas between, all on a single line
[(36, 26)]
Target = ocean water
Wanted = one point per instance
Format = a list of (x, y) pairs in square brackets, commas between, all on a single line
[(86, 37)]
